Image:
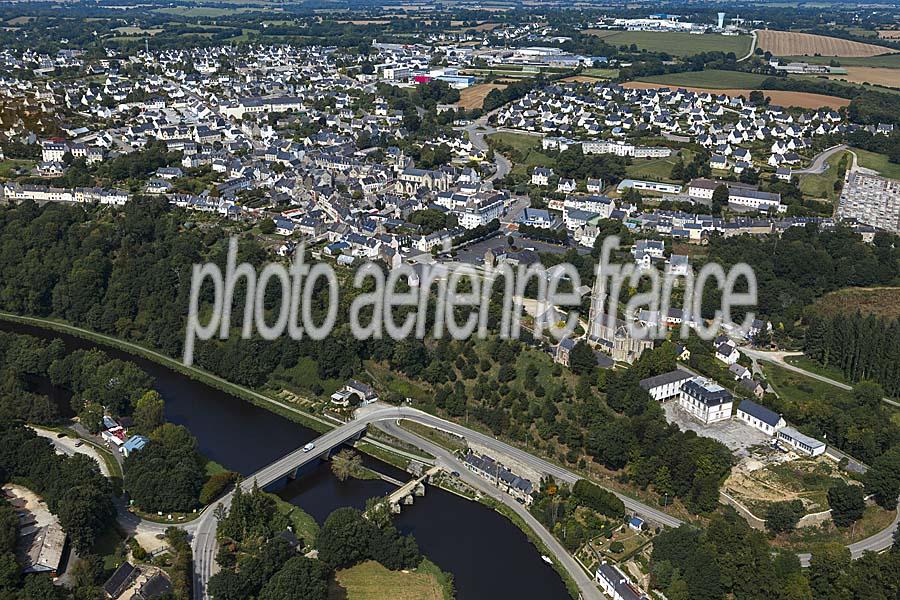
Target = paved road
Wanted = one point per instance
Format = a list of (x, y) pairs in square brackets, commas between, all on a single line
[(204, 528), (778, 358), (877, 543), (447, 460), (476, 130), (819, 164)]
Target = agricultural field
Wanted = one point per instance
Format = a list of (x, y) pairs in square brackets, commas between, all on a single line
[(882, 76), (792, 43), (676, 43), (779, 97), (713, 79), (473, 96), (877, 162), (881, 302), (601, 73), (889, 34)]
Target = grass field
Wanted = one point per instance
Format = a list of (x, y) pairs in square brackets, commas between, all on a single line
[(8, 167), (798, 389), (441, 438), (371, 581), (473, 96), (807, 364), (792, 43), (890, 61), (881, 302), (601, 73), (655, 169), (675, 43), (822, 184), (714, 79), (877, 162), (529, 146)]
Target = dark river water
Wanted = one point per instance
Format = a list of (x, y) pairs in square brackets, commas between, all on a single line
[(490, 558)]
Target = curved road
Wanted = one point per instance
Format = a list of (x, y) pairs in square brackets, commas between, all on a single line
[(476, 130), (204, 528), (818, 165), (447, 460)]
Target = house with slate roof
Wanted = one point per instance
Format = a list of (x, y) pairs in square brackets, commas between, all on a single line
[(760, 417)]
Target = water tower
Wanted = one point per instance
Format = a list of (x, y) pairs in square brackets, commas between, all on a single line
[(721, 20)]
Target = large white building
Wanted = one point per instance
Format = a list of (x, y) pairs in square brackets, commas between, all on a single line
[(706, 400), (665, 386), (760, 417)]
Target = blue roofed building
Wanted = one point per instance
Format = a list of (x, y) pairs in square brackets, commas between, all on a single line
[(135, 443)]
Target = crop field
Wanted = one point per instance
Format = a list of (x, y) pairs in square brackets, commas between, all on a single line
[(674, 42), (872, 75), (889, 34), (474, 95), (791, 43), (780, 98), (889, 61), (713, 79)]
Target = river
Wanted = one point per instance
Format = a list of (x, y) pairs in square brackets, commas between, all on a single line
[(489, 557)]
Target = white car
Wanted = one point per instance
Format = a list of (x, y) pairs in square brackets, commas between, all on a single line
[(308, 447)]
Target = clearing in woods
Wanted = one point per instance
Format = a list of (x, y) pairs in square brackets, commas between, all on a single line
[(371, 581), (474, 95), (792, 43), (881, 302)]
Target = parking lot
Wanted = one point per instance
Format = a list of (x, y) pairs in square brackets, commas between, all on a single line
[(733, 433)]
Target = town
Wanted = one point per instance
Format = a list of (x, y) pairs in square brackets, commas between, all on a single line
[(182, 417)]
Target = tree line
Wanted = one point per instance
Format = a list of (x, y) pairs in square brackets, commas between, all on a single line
[(861, 347)]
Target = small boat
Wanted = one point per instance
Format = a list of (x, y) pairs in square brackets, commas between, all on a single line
[(546, 559)]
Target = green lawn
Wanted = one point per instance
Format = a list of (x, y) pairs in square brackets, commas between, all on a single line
[(528, 147), (601, 73), (822, 185), (441, 438), (713, 78), (807, 364), (878, 162), (655, 169), (8, 167), (304, 526), (676, 43), (801, 390), (371, 581)]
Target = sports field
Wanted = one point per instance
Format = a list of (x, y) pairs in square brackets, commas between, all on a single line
[(792, 43), (675, 43)]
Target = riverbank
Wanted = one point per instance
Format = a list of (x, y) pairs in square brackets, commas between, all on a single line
[(480, 537)]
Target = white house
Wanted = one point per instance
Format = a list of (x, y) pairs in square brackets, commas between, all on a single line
[(706, 400), (760, 417), (615, 584), (788, 436), (665, 386)]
